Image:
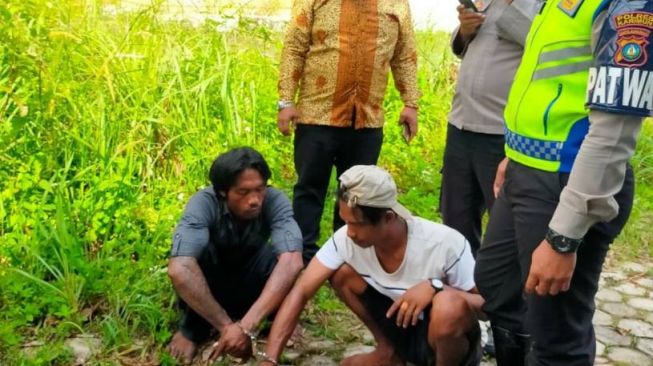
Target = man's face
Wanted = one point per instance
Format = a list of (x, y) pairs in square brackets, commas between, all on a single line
[(245, 197), (360, 230)]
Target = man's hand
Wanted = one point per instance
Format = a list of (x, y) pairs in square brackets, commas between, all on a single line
[(285, 118), (550, 271), (408, 120), (233, 341), (469, 22), (409, 305), (500, 177)]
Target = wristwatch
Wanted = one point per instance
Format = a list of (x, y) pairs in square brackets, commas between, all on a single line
[(561, 243), (437, 285), (282, 104)]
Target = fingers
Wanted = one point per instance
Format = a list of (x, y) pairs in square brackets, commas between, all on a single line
[(401, 315), (407, 313), (416, 313), (531, 283), (284, 127), (393, 308), (218, 349), (544, 287)]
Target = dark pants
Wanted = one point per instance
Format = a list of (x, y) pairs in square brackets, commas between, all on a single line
[(560, 326), (468, 171), (234, 286), (317, 150), (411, 344)]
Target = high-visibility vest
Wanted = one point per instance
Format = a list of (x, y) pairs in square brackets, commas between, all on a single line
[(546, 117)]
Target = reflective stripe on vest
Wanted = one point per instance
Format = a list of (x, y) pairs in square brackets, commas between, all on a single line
[(535, 148)]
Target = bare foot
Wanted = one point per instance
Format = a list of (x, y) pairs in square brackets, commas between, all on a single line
[(182, 348), (378, 357)]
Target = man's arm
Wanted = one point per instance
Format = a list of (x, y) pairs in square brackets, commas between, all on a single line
[(288, 315), (404, 61), (599, 170), (286, 238), (276, 288), (295, 47), (293, 57), (190, 284), (190, 240), (466, 31)]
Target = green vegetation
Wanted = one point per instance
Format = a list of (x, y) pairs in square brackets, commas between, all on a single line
[(108, 124)]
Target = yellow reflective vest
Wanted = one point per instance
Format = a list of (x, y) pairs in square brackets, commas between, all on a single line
[(546, 118)]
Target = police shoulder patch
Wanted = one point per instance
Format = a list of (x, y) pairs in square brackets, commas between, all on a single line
[(621, 79), (570, 7)]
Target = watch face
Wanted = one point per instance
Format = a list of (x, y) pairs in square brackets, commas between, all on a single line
[(437, 284)]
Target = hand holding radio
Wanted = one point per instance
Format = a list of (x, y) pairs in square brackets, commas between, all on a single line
[(470, 19)]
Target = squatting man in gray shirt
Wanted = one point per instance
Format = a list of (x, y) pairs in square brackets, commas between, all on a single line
[(236, 253)]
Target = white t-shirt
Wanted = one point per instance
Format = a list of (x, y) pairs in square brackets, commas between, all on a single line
[(433, 251)]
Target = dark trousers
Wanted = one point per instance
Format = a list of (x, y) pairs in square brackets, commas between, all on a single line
[(235, 286), (468, 171), (317, 150), (560, 326), (411, 344)]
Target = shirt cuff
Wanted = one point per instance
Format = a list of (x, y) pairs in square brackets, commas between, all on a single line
[(569, 223), (458, 46)]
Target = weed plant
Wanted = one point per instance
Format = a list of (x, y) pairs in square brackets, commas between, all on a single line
[(108, 124)]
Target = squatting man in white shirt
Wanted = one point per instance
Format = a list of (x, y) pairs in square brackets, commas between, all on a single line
[(410, 280)]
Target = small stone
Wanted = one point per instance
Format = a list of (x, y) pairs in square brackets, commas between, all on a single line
[(318, 361), (613, 276), (608, 295), (649, 318), (637, 327), (618, 309), (607, 335), (30, 349), (630, 289), (634, 267), (602, 318), (645, 345), (601, 361), (629, 356), (367, 336), (645, 282), (83, 348), (600, 348), (357, 349), (291, 356), (641, 303), (320, 346)]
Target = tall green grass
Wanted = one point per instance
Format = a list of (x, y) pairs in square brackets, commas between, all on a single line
[(107, 126)]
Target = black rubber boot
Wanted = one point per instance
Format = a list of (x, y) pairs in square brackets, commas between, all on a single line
[(510, 348)]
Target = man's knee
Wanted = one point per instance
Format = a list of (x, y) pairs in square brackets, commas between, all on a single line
[(346, 279), (451, 316)]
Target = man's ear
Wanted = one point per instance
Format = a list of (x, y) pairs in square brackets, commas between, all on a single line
[(389, 215)]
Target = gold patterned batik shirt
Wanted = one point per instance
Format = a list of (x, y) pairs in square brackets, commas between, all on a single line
[(337, 54)]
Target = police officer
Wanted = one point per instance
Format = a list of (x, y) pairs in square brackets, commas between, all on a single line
[(565, 189)]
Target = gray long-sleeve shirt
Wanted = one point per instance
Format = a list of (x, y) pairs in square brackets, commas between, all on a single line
[(599, 170), (489, 63), (207, 229)]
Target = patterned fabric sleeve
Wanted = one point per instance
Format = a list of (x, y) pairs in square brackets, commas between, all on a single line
[(295, 48), (404, 61)]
